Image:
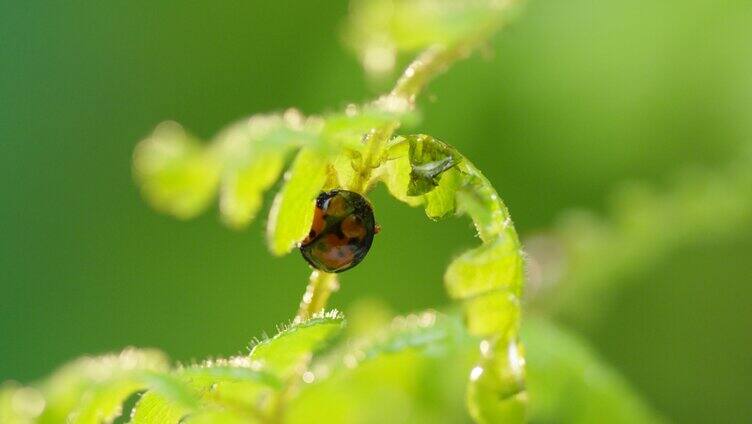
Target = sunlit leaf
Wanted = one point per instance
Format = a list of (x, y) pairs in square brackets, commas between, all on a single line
[(395, 173), (222, 416), (176, 174), (497, 392), (188, 390), (242, 191), (400, 387), (413, 370), (283, 352), (430, 332), (243, 394), (348, 130), (486, 407), (292, 212), (89, 388), (19, 404), (479, 200), (494, 313), (240, 143), (492, 266), (441, 201), (429, 159), (155, 408), (237, 369), (175, 387), (103, 404), (420, 170), (341, 171)]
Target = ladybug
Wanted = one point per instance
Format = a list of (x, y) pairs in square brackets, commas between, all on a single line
[(341, 233)]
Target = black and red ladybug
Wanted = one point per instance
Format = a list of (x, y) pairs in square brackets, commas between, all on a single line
[(341, 233)]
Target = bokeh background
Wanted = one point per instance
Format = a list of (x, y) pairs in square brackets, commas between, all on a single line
[(569, 102)]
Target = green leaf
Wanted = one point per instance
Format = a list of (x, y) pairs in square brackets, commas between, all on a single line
[(341, 172), (403, 387), (241, 143), (292, 212), (155, 408), (478, 199), (496, 392), (103, 403), (421, 170), (283, 353), (237, 369), (348, 130), (413, 370), (568, 382), (486, 407), (242, 191), (175, 387), (441, 201), (429, 159), (177, 176), (189, 390), (491, 314), (429, 332), (221, 416), (250, 396), (90, 388), (395, 172), (492, 266), (19, 404)]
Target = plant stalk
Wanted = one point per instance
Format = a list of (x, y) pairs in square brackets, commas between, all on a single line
[(320, 286), (435, 60)]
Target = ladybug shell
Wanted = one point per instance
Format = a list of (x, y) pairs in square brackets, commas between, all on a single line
[(341, 233)]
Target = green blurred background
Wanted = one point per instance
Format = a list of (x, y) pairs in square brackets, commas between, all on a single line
[(576, 98)]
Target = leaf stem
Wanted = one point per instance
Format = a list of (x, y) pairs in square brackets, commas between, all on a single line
[(427, 65), (320, 286), (375, 140), (433, 61)]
